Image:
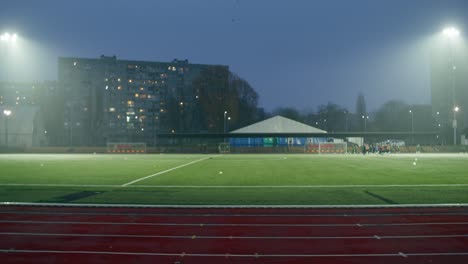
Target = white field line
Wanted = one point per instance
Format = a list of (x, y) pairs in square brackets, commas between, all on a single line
[(214, 206), (229, 255), (231, 225), (231, 186), (162, 172), (191, 237), (210, 215)]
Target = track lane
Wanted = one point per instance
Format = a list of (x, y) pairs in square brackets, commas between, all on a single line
[(204, 230), (332, 235), (198, 245)]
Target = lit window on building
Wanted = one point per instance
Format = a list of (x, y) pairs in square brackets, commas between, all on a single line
[(141, 110), (130, 103), (196, 96), (137, 95), (181, 103), (142, 88), (75, 63), (149, 96), (128, 119), (162, 110), (111, 109), (118, 79), (107, 87), (130, 81), (106, 79), (119, 87)]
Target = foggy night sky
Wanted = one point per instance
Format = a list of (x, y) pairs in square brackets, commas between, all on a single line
[(294, 53)]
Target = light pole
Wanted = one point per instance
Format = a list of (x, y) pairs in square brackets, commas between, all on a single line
[(365, 121), (346, 120), (225, 121), (452, 33), (7, 114), (455, 111), (412, 125), (227, 124)]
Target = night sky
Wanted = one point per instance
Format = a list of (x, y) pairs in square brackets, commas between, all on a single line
[(294, 53)]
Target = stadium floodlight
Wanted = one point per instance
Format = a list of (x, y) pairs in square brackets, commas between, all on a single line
[(9, 38), (7, 113), (456, 109), (451, 32)]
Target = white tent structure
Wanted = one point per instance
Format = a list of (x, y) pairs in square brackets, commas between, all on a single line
[(278, 124), (262, 134)]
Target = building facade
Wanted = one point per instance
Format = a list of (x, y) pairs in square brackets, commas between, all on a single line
[(112, 100)]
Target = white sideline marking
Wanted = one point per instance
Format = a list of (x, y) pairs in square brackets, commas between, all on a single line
[(162, 172), (256, 255), (234, 237), (224, 206), (216, 224), (232, 186)]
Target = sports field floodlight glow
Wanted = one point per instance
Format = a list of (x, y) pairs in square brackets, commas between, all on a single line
[(7, 37), (456, 109), (451, 32), (7, 112)]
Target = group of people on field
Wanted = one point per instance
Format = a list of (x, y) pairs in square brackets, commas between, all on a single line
[(376, 148)]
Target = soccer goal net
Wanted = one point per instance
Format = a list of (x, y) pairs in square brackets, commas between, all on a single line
[(327, 148), (224, 147), (124, 147)]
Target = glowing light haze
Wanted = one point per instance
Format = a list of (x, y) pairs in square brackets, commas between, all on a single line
[(297, 53)]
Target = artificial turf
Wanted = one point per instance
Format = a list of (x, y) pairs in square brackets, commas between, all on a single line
[(274, 179)]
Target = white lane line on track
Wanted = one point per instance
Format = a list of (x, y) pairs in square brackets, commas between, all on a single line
[(232, 237), (216, 224), (256, 255), (423, 214), (162, 172)]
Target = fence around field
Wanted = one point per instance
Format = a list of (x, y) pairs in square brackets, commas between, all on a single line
[(214, 148), (397, 142)]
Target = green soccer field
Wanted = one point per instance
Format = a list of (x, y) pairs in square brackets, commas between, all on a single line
[(273, 179)]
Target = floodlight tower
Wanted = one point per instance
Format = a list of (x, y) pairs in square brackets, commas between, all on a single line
[(7, 114), (451, 34)]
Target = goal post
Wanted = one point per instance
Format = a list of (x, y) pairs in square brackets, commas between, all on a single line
[(126, 147), (224, 147), (327, 148)]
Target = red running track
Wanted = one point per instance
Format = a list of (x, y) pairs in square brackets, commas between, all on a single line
[(232, 235)]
